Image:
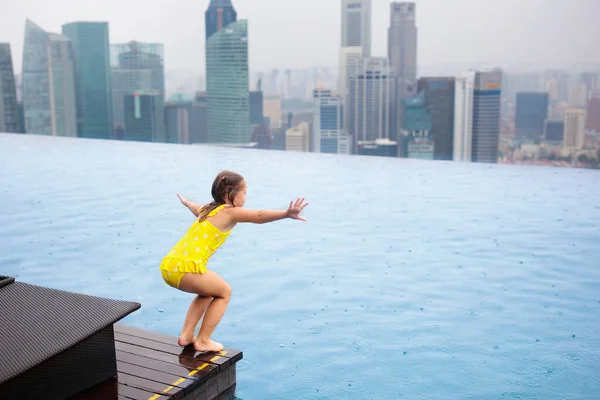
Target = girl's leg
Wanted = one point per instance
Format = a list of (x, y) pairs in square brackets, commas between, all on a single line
[(208, 284), (194, 314)]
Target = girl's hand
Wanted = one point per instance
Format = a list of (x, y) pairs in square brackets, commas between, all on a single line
[(295, 208), (183, 200)]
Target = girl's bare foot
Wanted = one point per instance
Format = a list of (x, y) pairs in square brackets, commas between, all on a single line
[(207, 345), (186, 340)]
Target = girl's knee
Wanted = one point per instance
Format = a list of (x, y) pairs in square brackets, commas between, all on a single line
[(226, 292)]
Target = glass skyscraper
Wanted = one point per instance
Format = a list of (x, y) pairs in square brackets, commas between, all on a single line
[(371, 100), (135, 67), (532, 112), (9, 112), (48, 83), (92, 78), (227, 88), (486, 116), (220, 13)]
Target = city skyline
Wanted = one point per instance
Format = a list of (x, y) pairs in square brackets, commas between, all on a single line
[(538, 45)]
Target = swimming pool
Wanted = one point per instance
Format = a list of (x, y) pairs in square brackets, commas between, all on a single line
[(410, 280)]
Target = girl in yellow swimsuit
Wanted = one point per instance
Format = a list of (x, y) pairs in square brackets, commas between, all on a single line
[(184, 267)]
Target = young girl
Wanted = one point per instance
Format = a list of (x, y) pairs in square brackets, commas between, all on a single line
[(184, 267)]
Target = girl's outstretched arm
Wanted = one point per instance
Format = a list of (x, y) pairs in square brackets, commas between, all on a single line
[(194, 208), (239, 214)]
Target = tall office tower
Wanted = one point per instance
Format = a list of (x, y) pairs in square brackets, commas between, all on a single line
[(532, 111), (9, 110), (371, 100), (439, 100), (574, 129), (93, 89), (356, 25), (136, 67), (486, 116), (227, 87), (144, 117), (327, 131), (48, 83), (463, 116)]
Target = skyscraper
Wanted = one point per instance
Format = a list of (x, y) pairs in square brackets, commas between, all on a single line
[(554, 131), (402, 46), (349, 58), (417, 139), (532, 111), (439, 100), (370, 100), (136, 67), (356, 25), (92, 78), (256, 107), (9, 111), (48, 83), (574, 129), (298, 138), (486, 116), (227, 88), (220, 13), (593, 114), (327, 133), (402, 53), (144, 117), (463, 117), (356, 43)]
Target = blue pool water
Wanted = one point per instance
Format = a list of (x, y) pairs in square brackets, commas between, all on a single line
[(410, 280)]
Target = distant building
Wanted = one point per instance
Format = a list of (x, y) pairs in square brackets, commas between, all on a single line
[(227, 88), (402, 46), (371, 100), (463, 117), (418, 142), (350, 57), (48, 83), (256, 107), (593, 114), (92, 78), (298, 138), (9, 110), (262, 136), (554, 131), (21, 117), (219, 14), (532, 111), (439, 100), (272, 110), (136, 67), (144, 117), (377, 147), (574, 129), (186, 120), (327, 133), (486, 116), (356, 25)]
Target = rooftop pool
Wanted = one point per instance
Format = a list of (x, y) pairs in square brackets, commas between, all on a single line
[(410, 280)]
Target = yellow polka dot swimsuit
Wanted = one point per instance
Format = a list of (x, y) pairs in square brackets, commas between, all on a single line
[(191, 253)]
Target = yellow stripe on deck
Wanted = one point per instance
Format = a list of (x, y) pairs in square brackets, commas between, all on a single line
[(192, 373)]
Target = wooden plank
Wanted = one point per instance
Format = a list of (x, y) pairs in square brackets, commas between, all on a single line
[(150, 386), (199, 372), (233, 354), (157, 376), (189, 363), (111, 389), (187, 352)]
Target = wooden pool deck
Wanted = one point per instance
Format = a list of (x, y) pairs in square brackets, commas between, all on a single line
[(151, 366)]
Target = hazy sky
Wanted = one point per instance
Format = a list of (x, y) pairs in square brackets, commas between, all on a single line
[(305, 33)]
